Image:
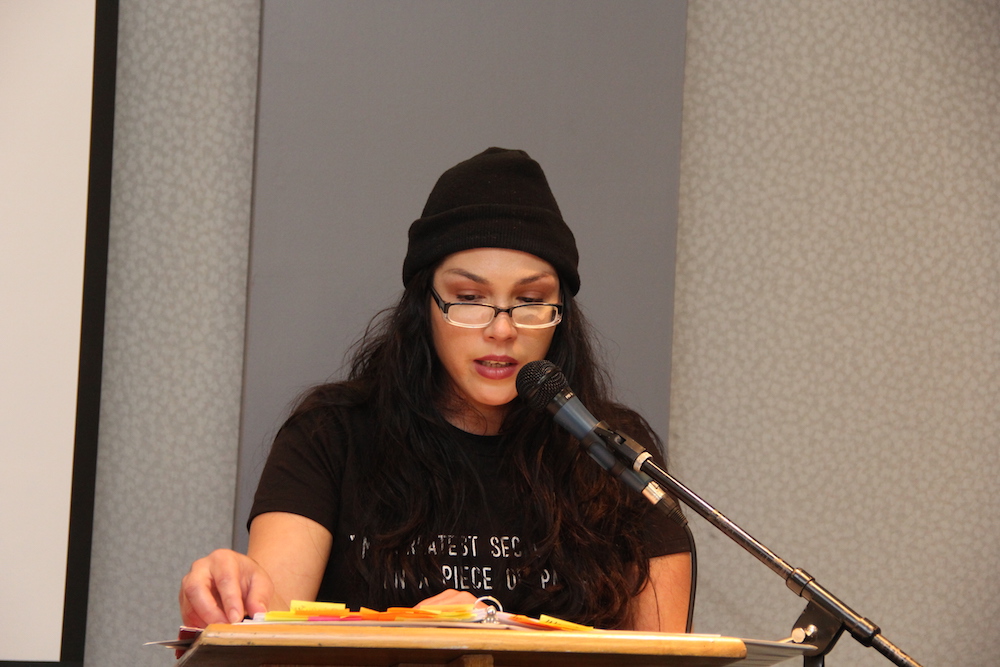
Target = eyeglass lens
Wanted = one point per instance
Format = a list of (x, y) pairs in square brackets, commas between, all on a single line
[(526, 315)]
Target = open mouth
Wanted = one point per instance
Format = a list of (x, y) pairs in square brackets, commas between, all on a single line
[(494, 364)]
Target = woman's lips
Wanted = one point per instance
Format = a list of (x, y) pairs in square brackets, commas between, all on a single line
[(496, 367)]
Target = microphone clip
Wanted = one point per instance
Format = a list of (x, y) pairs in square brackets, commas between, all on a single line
[(615, 452), (627, 449)]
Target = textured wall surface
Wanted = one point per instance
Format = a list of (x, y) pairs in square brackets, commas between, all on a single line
[(837, 330), (173, 354)]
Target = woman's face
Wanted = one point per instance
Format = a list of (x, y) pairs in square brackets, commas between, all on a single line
[(482, 364)]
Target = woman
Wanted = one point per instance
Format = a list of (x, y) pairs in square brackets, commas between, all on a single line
[(422, 477)]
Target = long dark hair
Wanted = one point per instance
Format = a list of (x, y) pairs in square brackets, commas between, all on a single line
[(581, 522)]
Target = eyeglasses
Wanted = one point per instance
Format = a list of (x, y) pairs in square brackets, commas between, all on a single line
[(479, 315)]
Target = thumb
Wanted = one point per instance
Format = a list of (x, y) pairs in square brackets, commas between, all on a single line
[(259, 594)]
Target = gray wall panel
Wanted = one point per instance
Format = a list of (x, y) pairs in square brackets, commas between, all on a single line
[(363, 105)]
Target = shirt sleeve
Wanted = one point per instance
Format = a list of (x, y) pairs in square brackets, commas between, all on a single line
[(664, 535), (304, 470)]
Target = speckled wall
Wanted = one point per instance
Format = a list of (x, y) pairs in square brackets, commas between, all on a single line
[(836, 362), (837, 336), (173, 358)]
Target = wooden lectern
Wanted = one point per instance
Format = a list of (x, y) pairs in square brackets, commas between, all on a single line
[(342, 645)]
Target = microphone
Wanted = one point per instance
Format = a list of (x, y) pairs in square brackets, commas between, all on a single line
[(543, 386)]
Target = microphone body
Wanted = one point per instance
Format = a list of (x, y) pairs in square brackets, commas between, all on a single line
[(568, 411), (543, 386)]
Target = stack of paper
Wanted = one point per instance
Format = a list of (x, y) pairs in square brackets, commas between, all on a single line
[(329, 612)]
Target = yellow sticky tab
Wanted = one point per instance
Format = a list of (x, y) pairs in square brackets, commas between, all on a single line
[(448, 609), (282, 616), (561, 624), (452, 612), (304, 608)]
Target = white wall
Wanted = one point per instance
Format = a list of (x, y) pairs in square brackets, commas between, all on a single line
[(46, 79)]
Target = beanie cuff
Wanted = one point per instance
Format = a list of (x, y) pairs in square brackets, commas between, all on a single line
[(536, 231)]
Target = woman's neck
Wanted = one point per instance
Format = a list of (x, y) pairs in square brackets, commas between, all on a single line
[(474, 420)]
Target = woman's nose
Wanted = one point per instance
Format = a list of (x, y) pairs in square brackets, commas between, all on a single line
[(502, 326)]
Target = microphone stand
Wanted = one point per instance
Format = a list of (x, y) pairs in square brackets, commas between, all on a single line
[(824, 618)]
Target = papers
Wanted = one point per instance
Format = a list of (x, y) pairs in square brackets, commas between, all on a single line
[(454, 615), (185, 637), (431, 616)]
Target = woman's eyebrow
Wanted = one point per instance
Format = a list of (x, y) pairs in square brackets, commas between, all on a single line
[(471, 276), (476, 278), (535, 278)]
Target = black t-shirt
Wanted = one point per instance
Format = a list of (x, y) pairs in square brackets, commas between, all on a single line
[(315, 470)]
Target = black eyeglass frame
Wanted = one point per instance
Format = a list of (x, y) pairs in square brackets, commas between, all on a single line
[(445, 305)]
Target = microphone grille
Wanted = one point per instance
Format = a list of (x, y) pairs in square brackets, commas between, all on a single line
[(538, 382)]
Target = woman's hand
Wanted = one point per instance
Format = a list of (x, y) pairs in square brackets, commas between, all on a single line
[(450, 596), (286, 559), (224, 587)]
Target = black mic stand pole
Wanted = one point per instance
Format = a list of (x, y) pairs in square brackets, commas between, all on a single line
[(824, 618)]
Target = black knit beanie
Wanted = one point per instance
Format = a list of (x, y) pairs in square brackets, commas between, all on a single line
[(497, 199)]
